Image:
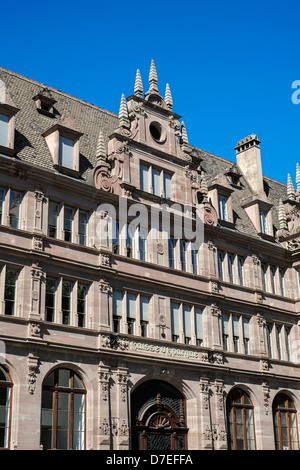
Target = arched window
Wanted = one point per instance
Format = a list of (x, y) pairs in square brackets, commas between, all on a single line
[(5, 408), (63, 411), (285, 423), (158, 417), (240, 415)]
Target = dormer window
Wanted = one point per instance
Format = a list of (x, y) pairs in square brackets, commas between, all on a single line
[(223, 209), (4, 120), (7, 128), (44, 103), (63, 142), (263, 216)]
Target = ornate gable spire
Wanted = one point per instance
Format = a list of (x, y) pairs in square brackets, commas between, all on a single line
[(281, 216), (168, 97), (153, 77), (138, 86), (123, 113), (298, 177), (101, 152), (290, 188)]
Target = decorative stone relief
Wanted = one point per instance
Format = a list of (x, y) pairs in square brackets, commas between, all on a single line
[(264, 364), (105, 428), (266, 395), (122, 379), (204, 391), (34, 329), (33, 367), (219, 391), (104, 383)]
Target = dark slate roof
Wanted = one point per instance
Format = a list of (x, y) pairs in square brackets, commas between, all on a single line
[(90, 119)]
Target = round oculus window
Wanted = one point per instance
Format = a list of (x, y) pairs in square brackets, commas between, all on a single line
[(157, 132)]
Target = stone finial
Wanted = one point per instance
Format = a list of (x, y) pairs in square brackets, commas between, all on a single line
[(184, 137), (138, 86), (281, 215), (101, 151), (298, 177), (168, 97), (153, 77), (290, 188), (123, 113)]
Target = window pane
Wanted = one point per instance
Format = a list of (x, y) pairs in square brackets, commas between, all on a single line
[(145, 308), (156, 182), (14, 208), (167, 185), (4, 120), (2, 197), (53, 219), (63, 378), (66, 147), (82, 229), (144, 182), (175, 319)]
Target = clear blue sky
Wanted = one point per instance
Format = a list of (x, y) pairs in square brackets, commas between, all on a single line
[(230, 64)]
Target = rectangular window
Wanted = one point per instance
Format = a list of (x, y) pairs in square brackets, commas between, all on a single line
[(225, 331), (117, 310), (53, 214), (172, 252), (183, 255), (264, 277), (50, 307), (230, 265), (278, 330), (144, 178), (198, 326), (4, 121), (187, 324), (263, 217), (131, 313), (66, 152), (270, 340), (220, 265), (10, 291), (66, 302), (240, 266), (142, 244), (2, 199), (195, 258), (116, 238), (156, 182), (273, 279), (68, 224), (83, 228), (288, 342), (129, 235), (81, 304), (144, 315), (246, 337), (175, 322), (167, 185), (236, 334), (222, 202), (15, 208), (282, 281)]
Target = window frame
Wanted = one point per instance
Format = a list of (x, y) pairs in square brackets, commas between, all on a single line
[(8, 385), (71, 391), (277, 419)]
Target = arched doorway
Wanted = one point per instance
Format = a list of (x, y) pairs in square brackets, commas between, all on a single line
[(158, 417)]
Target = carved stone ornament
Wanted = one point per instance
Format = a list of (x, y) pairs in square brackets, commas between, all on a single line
[(105, 428), (34, 329), (114, 342), (33, 369), (160, 248), (264, 364), (266, 395)]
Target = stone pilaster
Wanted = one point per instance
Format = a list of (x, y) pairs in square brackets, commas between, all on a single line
[(104, 423), (218, 416), (205, 425), (120, 418)]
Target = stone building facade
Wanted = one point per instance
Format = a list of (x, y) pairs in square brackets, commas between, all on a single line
[(149, 289)]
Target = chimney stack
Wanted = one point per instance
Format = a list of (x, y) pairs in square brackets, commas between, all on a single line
[(248, 159)]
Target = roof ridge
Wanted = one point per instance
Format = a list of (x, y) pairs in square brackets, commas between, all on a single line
[(57, 90)]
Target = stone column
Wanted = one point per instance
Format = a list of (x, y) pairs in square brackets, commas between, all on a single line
[(104, 418)]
